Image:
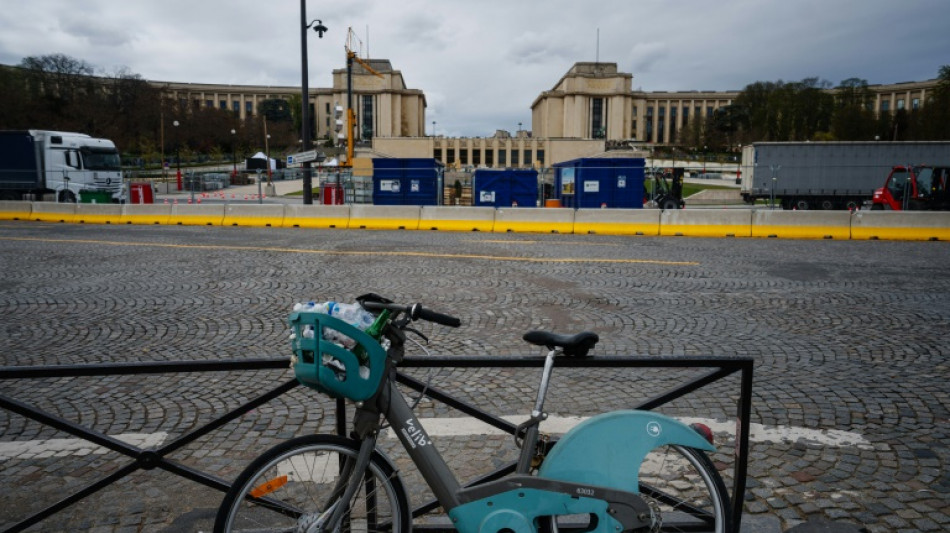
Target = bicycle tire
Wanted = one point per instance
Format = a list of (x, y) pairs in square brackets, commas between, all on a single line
[(684, 487), (302, 473)]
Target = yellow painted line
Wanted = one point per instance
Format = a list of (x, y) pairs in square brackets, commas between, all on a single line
[(557, 242), (359, 253)]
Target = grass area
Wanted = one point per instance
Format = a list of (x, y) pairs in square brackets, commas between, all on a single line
[(316, 192)]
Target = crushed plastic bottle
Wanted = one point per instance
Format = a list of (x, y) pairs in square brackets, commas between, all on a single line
[(353, 314)]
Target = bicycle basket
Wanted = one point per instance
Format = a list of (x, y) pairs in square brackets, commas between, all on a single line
[(323, 365)]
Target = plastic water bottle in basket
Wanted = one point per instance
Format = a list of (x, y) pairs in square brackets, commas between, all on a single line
[(337, 348)]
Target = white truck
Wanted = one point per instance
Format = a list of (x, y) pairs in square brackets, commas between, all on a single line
[(66, 166)]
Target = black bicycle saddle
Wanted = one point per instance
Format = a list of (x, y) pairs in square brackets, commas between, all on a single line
[(573, 345)]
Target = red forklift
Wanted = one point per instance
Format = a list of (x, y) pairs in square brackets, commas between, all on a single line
[(914, 188)]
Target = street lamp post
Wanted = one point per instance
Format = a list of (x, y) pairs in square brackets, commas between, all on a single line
[(305, 96), (233, 154), (433, 128), (177, 157), (704, 161)]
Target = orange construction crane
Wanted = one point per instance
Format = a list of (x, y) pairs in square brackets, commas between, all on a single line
[(351, 56)]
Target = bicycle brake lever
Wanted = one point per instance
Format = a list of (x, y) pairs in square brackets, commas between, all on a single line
[(419, 333)]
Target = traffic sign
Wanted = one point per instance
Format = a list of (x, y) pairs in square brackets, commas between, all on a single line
[(304, 157)]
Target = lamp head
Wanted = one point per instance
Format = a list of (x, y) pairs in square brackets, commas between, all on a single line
[(319, 28)]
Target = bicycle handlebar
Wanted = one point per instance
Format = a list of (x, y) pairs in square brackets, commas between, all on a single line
[(415, 312)]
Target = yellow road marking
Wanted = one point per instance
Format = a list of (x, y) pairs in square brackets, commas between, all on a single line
[(361, 253)]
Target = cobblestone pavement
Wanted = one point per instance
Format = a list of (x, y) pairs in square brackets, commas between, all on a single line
[(849, 338)]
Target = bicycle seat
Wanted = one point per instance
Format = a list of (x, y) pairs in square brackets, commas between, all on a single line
[(573, 345)]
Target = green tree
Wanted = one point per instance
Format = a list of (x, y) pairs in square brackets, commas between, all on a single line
[(853, 116)]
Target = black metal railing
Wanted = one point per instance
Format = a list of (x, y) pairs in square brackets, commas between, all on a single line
[(144, 459)]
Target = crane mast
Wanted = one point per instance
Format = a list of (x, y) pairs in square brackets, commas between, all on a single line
[(352, 56)]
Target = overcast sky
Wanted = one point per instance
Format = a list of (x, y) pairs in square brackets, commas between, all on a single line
[(482, 63)]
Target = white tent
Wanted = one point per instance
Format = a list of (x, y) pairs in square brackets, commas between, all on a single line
[(261, 155)]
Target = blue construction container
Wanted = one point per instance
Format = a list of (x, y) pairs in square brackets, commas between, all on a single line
[(505, 188), (600, 182), (407, 181)]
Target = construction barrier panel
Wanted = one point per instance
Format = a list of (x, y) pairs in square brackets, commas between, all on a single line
[(706, 222), (15, 210), (457, 218), (384, 216), (269, 215), (316, 216), (617, 221), (53, 212), (901, 225), (98, 214), (146, 214), (197, 215), (517, 220), (801, 224)]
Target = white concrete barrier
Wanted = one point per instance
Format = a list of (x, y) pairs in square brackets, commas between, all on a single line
[(448, 218), (384, 216), (52, 212), (617, 221), (534, 220), (901, 225), (98, 214), (15, 210), (146, 213), (706, 222), (269, 215), (316, 216), (197, 215), (801, 224)]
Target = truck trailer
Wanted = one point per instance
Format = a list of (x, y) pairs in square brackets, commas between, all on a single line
[(36, 163), (828, 175)]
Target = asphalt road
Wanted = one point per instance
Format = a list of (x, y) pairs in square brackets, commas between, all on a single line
[(851, 341)]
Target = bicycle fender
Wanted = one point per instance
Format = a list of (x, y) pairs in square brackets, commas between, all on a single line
[(608, 449)]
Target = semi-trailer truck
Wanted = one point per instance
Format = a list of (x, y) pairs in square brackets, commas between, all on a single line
[(40, 163), (828, 175)]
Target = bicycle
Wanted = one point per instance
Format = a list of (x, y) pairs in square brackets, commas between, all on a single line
[(621, 471)]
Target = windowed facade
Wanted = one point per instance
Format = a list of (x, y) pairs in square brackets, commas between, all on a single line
[(367, 117), (503, 157), (598, 123), (514, 158), (885, 106), (490, 158), (236, 107), (673, 124), (223, 104), (900, 104), (915, 104), (249, 108)]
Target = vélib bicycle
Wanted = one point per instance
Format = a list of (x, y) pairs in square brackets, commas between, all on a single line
[(621, 471)]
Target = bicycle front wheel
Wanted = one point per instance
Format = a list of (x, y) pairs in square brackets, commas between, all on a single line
[(685, 491), (294, 484)]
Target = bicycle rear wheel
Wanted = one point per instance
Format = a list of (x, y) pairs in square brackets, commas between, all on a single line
[(685, 491), (297, 481)]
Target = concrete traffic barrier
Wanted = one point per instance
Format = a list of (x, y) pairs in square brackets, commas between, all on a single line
[(98, 214), (449, 218), (617, 221), (197, 215), (901, 225), (384, 216), (801, 224), (52, 212), (15, 210), (146, 214), (316, 216), (706, 222), (533, 220), (269, 215)]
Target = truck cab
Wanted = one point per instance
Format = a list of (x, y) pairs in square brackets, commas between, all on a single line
[(914, 188)]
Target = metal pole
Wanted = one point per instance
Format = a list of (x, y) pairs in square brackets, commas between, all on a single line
[(260, 197), (305, 104)]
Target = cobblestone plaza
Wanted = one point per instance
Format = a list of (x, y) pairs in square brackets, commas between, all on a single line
[(851, 341)]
